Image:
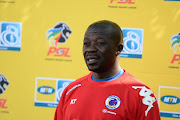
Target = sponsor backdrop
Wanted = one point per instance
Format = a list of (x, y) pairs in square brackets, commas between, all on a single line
[(41, 50)]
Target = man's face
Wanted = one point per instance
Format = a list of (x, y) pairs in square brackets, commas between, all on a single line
[(99, 50)]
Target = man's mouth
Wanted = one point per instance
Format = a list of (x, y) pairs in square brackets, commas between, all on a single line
[(92, 60)]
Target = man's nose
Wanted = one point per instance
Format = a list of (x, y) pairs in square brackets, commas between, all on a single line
[(92, 48)]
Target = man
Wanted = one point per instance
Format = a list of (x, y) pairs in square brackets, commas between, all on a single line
[(108, 92)]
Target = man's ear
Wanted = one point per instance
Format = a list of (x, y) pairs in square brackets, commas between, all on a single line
[(119, 48)]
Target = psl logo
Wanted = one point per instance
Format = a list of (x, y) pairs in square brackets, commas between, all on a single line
[(3, 83), (2, 103), (175, 45), (124, 1), (58, 34)]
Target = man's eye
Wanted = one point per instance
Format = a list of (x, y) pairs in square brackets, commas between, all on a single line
[(86, 43), (100, 43)]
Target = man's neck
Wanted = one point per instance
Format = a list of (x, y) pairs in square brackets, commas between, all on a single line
[(107, 73)]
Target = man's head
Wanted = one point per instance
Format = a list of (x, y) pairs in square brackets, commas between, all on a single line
[(102, 45)]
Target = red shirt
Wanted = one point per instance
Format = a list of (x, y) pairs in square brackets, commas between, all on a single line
[(124, 98)]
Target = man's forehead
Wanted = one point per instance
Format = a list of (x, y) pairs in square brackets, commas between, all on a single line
[(98, 31)]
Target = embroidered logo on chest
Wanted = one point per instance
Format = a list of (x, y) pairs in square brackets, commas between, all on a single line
[(112, 102)]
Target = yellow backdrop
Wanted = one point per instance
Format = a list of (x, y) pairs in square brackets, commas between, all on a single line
[(34, 69)]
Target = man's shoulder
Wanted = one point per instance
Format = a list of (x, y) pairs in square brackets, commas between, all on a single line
[(130, 80), (75, 84), (78, 81), (145, 97), (134, 84)]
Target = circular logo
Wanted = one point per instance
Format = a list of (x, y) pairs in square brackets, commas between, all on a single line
[(112, 102)]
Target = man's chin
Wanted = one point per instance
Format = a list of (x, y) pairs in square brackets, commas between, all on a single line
[(95, 69)]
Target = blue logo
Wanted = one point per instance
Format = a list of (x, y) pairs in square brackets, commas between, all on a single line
[(46, 90), (169, 99), (10, 36), (171, 0), (133, 43), (61, 85), (112, 102)]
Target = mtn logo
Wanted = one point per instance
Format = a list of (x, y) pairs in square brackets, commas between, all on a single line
[(46, 90), (169, 99)]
